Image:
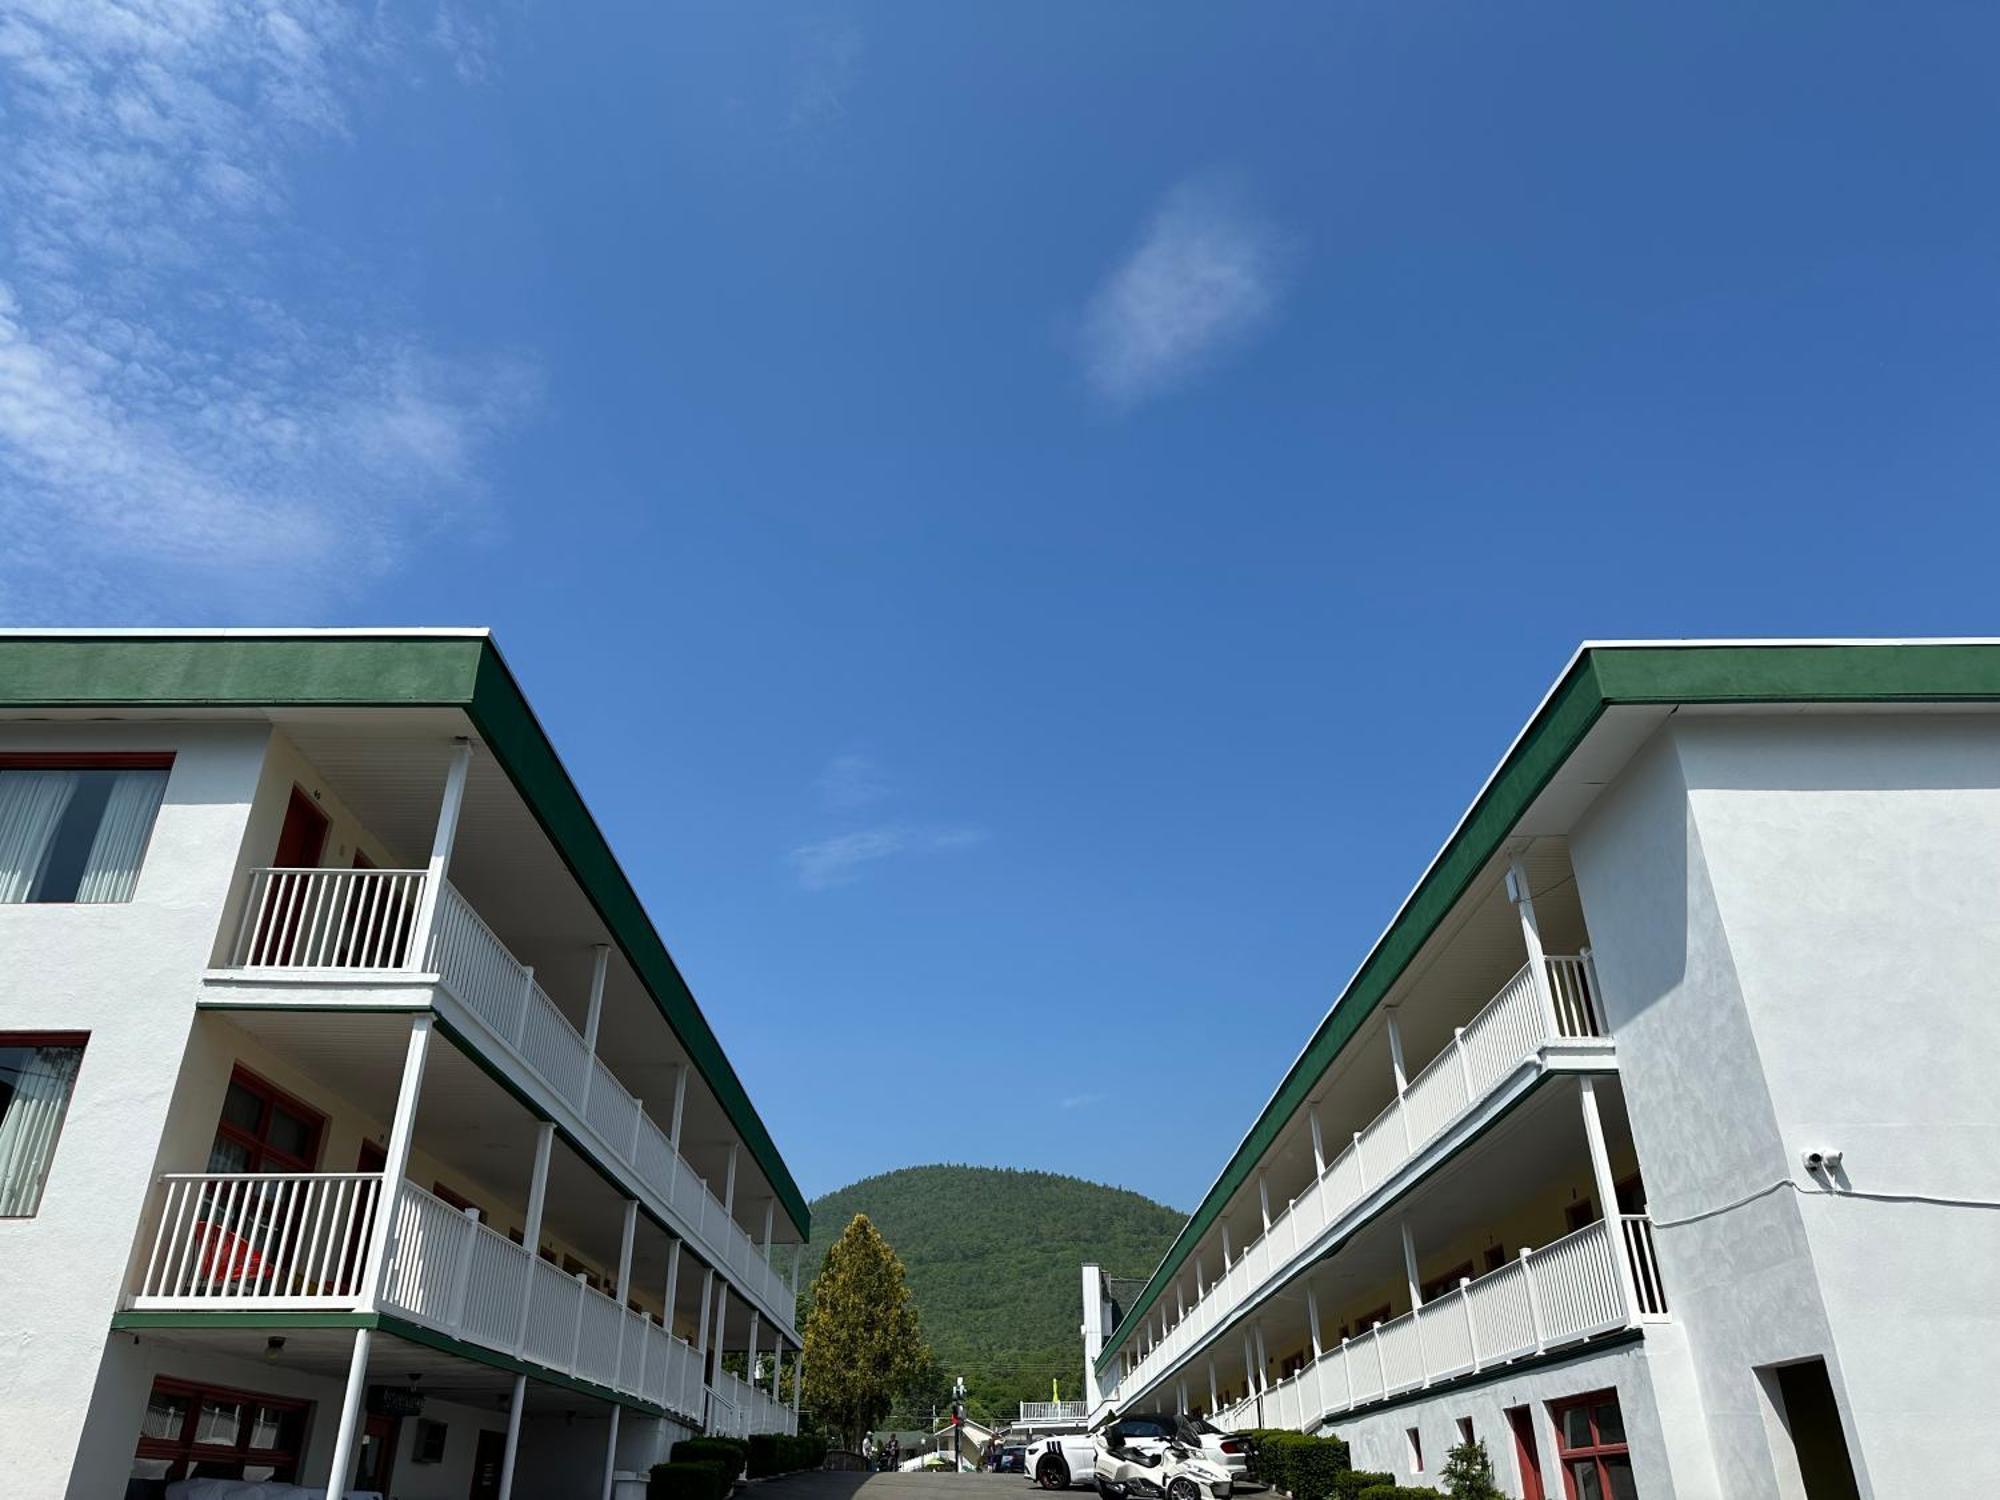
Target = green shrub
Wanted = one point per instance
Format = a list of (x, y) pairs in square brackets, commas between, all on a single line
[(1357, 1482), (1303, 1466), (762, 1456), (694, 1480), (1468, 1474), (731, 1453), (1397, 1492)]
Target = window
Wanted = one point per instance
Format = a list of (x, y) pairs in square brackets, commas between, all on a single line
[(429, 1446), (37, 1072), (1416, 1441), (264, 1129), (75, 829), (206, 1432), (1590, 1444), (1464, 1430)]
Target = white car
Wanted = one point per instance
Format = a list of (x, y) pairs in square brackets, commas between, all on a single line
[(1064, 1459)]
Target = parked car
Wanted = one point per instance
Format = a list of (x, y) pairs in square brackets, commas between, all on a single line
[(1012, 1460), (1062, 1459)]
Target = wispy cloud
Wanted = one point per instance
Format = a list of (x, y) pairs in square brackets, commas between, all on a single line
[(186, 398), (839, 860), (1079, 1101), (826, 57), (1205, 275), (851, 781)]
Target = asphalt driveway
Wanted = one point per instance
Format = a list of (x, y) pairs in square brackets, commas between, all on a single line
[(823, 1485)]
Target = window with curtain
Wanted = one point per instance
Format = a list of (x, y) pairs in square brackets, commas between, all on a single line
[(76, 832), (36, 1076)]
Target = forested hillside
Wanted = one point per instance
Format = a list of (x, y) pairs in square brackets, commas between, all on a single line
[(993, 1257)]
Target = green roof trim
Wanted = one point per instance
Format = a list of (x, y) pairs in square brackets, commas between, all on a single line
[(243, 669), (1600, 677)]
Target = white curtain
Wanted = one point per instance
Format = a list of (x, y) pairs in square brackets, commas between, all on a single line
[(31, 805), (28, 1129), (113, 867)]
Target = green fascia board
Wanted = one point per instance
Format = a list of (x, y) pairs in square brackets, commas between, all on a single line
[(1600, 677), (138, 1320), (243, 669)]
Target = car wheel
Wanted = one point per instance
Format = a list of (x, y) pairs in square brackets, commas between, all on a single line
[(1052, 1473), (1183, 1489)]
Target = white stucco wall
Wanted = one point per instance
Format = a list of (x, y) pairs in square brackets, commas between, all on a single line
[(127, 973), (1379, 1441), (1796, 922)]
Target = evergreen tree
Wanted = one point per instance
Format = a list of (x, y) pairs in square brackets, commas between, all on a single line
[(863, 1345), (1468, 1474)]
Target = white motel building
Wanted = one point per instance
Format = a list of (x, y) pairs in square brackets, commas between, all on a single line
[(1656, 1143), (356, 1126)]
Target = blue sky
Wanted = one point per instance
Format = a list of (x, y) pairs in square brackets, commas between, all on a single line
[(1029, 522)]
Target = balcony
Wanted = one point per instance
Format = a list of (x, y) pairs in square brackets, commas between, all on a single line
[(1560, 1295), (1053, 1413), (1502, 1045), (321, 925), (299, 1241), (736, 1408)]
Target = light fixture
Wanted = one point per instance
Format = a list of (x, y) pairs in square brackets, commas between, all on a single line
[(274, 1346)]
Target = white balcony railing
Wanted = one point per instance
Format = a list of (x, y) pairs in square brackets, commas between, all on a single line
[(736, 1408), (1041, 1412), (1511, 1028), (1559, 1295), (329, 919), (321, 920), (255, 1242)]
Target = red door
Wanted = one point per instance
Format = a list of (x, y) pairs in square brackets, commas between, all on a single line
[(1526, 1457), (377, 1458), (300, 842), (486, 1461)]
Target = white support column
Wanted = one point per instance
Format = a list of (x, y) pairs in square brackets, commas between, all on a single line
[(610, 1453), (600, 960), (1607, 1192), (625, 1237), (1312, 1319), (1249, 1364), (1396, 1064), (402, 1126), (770, 1223), (1531, 939), (507, 1456), (1214, 1394), (721, 1322), (1180, 1303), (1263, 1363), (797, 1251), (1225, 1247), (1264, 1201), (750, 1356), (701, 1322), (777, 1362), (680, 1104), (1319, 1139), (729, 1179), (673, 1283), (1200, 1285), (340, 1473), (1410, 1264), (538, 1187), (442, 840)]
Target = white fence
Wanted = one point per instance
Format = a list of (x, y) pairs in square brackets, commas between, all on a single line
[(365, 919), (1037, 1412), (260, 1240), (1558, 1295), (1511, 1028), (736, 1408)]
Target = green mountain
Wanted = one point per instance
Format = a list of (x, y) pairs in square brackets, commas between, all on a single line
[(993, 1257)]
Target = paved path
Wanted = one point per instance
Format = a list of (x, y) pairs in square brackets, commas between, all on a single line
[(821, 1485)]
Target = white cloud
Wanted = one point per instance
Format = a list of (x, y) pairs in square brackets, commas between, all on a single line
[(1205, 275), (1079, 1101), (851, 781), (185, 402), (826, 58), (839, 860)]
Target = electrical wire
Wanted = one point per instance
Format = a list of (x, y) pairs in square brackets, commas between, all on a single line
[(1787, 1182)]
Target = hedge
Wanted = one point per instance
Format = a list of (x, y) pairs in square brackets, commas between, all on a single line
[(1303, 1466), (1357, 1482), (1397, 1492), (772, 1453), (702, 1479)]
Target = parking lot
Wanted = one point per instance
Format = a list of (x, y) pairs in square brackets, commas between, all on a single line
[(935, 1486)]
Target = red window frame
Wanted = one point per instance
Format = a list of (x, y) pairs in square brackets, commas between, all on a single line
[(183, 1453), (1596, 1451), (264, 1157)]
